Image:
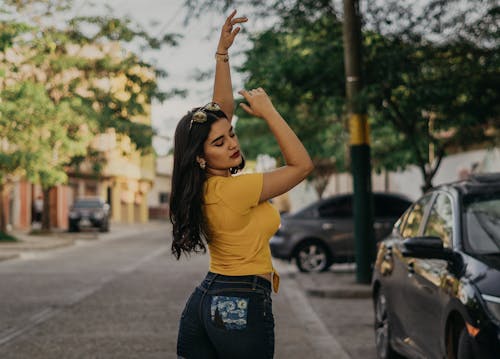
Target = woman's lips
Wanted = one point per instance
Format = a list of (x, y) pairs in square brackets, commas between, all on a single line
[(236, 154)]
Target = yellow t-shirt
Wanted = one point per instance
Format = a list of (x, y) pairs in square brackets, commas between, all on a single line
[(240, 226)]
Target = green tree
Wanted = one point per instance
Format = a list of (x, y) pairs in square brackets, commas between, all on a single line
[(285, 61), (86, 75), (436, 97), (43, 136)]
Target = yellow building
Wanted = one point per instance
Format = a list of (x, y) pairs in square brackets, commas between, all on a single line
[(124, 182)]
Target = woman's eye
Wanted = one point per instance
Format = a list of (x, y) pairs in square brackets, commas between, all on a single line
[(232, 134), (219, 144)]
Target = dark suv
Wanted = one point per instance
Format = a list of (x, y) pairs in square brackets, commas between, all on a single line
[(436, 282), (323, 232), (89, 213)]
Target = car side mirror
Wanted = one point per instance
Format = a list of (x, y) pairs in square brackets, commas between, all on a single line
[(106, 207), (429, 247)]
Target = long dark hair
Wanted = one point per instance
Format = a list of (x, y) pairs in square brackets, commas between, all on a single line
[(189, 226)]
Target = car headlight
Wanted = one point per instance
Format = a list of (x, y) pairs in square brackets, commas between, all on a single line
[(98, 215), (493, 305)]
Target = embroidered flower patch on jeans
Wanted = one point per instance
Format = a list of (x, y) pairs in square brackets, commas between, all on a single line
[(229, 312)]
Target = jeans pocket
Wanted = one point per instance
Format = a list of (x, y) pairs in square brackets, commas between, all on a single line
[(229, 312)]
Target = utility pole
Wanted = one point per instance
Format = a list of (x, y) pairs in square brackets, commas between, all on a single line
[(359, 144)]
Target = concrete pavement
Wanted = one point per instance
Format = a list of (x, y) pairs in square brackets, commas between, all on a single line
[(310, 310)]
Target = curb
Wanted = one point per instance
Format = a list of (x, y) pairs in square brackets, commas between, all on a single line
[(7, 256), (34, 244), (340, 293), (27, 242)]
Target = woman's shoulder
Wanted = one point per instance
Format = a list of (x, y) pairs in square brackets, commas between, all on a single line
[(242, 188)]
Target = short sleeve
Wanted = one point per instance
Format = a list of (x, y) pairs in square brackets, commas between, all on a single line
[(240, 192)]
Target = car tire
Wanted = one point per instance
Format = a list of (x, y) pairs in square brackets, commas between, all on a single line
[(383, 329), (312, 256), (104, 228), (466, 348)]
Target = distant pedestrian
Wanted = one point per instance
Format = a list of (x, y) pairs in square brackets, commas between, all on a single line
[(38, 209), (229, 315)]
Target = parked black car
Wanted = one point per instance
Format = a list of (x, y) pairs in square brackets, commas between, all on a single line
[(88, 213), (323, 233), (436, 283)]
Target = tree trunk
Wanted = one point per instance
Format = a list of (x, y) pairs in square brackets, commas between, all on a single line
[(427, 176), (3, 219), (46, 210), (320, 186)]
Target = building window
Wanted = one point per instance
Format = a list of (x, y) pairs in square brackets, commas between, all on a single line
[(163, 197)]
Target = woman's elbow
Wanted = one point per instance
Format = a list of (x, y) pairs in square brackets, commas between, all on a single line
[(308, 168)]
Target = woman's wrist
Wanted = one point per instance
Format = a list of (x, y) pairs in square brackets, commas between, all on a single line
[(221, 57), (222, 51)]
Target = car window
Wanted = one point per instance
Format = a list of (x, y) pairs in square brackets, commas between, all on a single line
[(482, 219), (337, 208), (388, 206), (414, 217), (87, 204), (440, 221)]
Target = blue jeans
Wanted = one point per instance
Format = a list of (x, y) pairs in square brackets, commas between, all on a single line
[(228, 317)]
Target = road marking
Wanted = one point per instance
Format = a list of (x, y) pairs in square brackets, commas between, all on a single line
[(32, 322)]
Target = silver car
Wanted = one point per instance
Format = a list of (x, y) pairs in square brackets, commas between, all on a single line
[(323, 233)]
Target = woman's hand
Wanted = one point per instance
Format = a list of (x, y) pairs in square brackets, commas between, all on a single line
[(228, 33), (259, 103)]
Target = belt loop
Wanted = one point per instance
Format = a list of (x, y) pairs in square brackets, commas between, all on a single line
[(212, 280), (254, 284)]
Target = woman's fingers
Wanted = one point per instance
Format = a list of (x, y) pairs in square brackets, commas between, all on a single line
[(235, 32), (230, 17), (247, 109), (231, 20), (244, 93)]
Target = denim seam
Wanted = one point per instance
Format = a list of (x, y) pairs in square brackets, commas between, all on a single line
[(239, 290), (246, 283), (203, 297)]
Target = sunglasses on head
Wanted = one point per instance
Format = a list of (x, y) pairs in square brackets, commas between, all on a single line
[(200, 116)]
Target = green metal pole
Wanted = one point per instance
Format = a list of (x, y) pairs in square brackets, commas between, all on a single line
[(359, 145)]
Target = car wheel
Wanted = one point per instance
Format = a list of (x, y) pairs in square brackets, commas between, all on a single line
[(312, 257), (104, 227), (382, 329), (466, 348)]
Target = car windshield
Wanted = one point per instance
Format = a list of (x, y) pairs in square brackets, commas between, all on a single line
[(482, 223), (87, 204)]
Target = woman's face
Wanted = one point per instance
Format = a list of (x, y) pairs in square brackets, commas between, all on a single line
[(221, 149)]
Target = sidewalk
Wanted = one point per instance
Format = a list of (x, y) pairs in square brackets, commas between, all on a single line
[(342, 309), (38, 242)]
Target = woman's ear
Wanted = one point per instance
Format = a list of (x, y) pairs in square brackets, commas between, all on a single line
[(201, 162)]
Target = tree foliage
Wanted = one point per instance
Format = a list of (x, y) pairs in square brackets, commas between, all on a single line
[(66, 81), (430, 72)]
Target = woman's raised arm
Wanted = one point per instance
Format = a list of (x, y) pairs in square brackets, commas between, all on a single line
[(298, 163), (223, 88)]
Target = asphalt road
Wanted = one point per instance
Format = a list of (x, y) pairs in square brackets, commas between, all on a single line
[(121, 298)]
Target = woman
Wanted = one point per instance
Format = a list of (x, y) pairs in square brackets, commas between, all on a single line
[(230, 314)]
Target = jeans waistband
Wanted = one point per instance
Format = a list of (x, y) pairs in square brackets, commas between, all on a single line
[(248, 281)]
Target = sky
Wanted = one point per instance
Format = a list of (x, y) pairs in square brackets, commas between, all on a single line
[(194, 53)]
